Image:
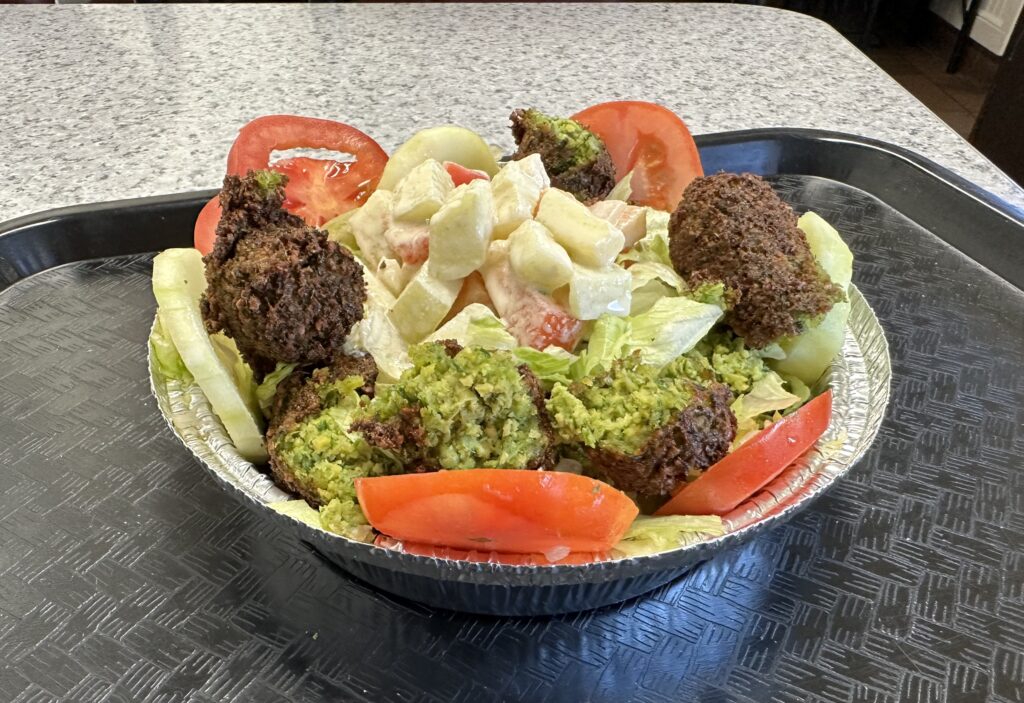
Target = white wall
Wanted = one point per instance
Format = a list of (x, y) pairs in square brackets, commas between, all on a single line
[(994, 24)]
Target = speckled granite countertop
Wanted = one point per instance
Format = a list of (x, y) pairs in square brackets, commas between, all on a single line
[(107, 102)]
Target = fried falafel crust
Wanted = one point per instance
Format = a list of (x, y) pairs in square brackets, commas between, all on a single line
[(297, 398), (734, 229), (279, 288), (696, 438), (589, 182)]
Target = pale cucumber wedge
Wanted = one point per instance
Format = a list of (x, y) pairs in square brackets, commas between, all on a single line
[(444, 143), (178, 283)]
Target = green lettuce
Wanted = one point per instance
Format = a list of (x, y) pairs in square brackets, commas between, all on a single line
[(165, 355), (268, 387), (650, 535), (654, 246), (553, 365), (623, 190), (475, 326), (651, 281), (672, 327)]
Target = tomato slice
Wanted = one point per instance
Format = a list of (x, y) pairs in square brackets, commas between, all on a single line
[(505, 510), (652, 142), (462, 175), (485, 556), (206, 226), (750, 468), (318, 190)]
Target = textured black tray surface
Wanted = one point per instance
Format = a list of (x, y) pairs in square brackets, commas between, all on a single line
[(127, 574)]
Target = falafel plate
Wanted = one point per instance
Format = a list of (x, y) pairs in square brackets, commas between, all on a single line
[(588, 351)]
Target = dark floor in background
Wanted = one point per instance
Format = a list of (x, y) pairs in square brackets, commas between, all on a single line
[(921, 69)]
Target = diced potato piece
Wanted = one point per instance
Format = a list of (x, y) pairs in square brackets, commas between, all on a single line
[(589, 240), (460, 232), (423, 304), (410, 240), (422, 193), (594, 292), (630, 219), (517, 189), (537, 258), (369, 223)]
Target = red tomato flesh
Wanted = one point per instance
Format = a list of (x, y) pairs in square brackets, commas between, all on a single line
[(750, 468), (651, 141), (505, 510), (320, 189), (206, 226), (462, 175)]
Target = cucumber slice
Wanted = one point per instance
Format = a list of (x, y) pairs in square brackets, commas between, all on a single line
[(178, 283), (446, 143)]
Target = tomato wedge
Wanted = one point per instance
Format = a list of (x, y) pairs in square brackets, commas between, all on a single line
[(318, 190), (505, 510), (462, 175), (484, 556), (652, 142), (206, 225), (750, 468)]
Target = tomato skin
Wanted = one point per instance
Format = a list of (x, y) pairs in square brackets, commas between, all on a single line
[(317, 190), (206, 226), (505, 510), (534, 319), (462, 175), (650, 140), (483, 556), (754, 464)]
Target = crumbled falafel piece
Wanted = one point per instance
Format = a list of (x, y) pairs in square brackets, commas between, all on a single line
[(302, 396), (734, 229), (575, 158), (462, 409), (642, 428), (279, 288), (695, 439)]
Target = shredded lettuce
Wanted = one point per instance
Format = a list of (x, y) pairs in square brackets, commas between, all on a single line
[(166, 357), (623, 190), (650, 535), (265, 391), (652, 280), (672, 327), (766, 395), (553, 365), (476, 325), (607, 342)]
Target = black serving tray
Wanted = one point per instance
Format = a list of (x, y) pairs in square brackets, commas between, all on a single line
[(125, 574)]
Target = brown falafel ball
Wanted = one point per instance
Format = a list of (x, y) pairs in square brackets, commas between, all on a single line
[(696, 438), (576, 160), (734, 229), (279, 288)]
